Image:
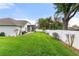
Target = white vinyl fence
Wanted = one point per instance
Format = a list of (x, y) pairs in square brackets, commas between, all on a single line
[(63, 36)]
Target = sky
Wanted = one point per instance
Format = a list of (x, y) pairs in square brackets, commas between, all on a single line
[(30, 11)]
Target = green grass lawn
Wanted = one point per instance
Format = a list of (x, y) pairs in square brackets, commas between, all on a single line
[(34, 44)]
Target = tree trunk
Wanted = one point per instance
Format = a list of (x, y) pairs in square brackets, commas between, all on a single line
[(65, 25)]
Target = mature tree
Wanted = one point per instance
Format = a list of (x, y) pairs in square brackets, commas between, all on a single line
[(66, 11)]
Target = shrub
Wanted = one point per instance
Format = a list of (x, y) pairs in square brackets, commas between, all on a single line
[(2, 34), (70, 39), (55, 35), (23, 32)]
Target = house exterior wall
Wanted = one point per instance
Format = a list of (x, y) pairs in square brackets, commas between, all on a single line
[(14, 30), (9, 30), (24, 28)]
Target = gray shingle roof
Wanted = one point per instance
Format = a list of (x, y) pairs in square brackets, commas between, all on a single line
[(12, 22)]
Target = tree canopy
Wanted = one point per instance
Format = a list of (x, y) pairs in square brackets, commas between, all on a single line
[(66, 11), (48, 23)]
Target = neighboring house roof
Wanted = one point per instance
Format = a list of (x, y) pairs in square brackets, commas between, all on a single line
[(12, 22), (74, 27)]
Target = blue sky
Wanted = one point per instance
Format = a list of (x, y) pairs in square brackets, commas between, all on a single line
[(30, 11)]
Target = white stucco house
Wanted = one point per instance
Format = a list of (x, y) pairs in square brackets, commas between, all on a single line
[(13, 27)]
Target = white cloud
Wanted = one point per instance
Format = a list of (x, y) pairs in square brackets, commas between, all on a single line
[(32, 21), (6, 5), (74, 21)]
